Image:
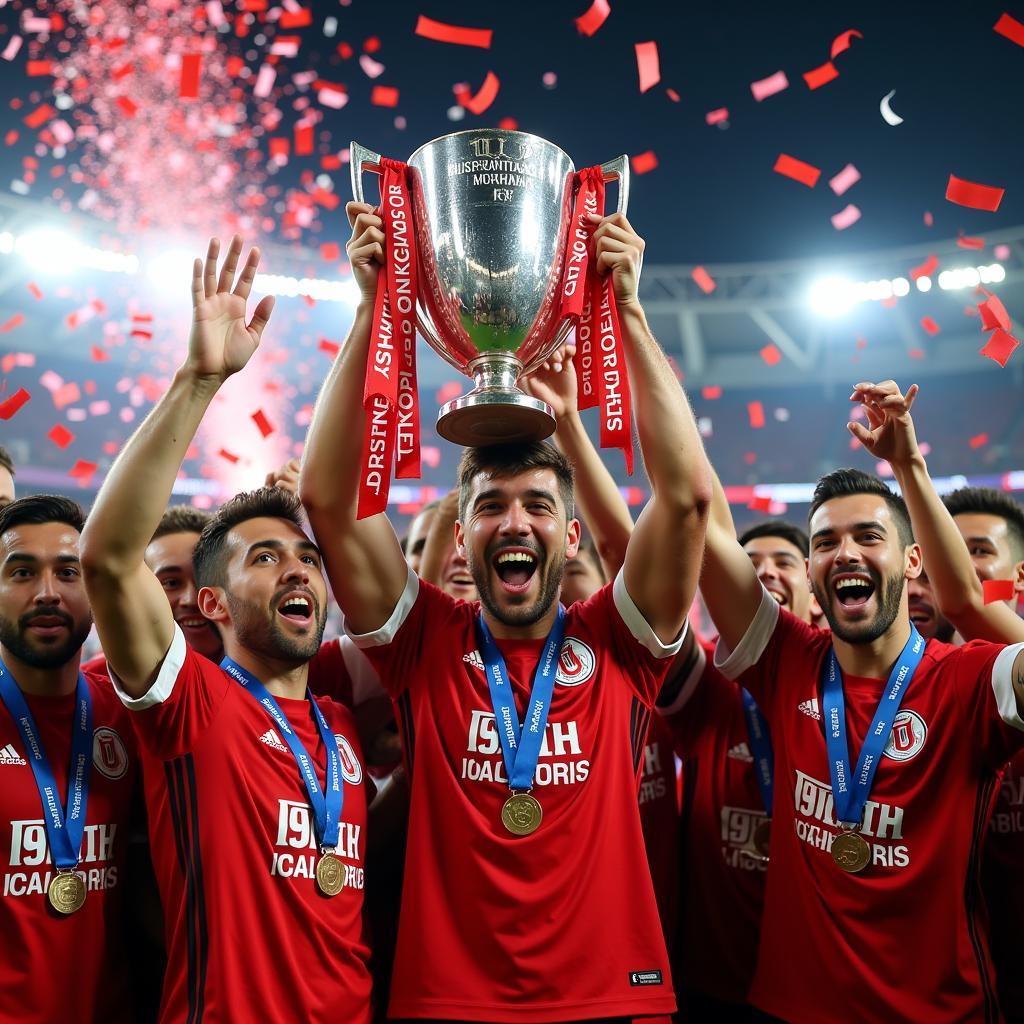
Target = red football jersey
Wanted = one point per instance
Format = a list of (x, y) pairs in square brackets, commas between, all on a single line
[(554, 926), (659, 819), (1002, 871), (249, 935), (57, 968), (723, 877), (906, 938)]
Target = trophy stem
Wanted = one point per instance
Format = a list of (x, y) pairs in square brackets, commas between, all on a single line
[(496, 411)]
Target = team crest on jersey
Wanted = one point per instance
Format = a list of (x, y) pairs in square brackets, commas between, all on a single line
[(576, 662), (109, 755), (351, 769), (906, 740)]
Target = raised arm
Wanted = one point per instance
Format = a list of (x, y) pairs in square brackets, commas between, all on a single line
[(890, 435), (598, 498), (440, 538), (364, 560), (132, 615), (663, 557)]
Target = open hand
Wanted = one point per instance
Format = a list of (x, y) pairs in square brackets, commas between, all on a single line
[(890, 432)]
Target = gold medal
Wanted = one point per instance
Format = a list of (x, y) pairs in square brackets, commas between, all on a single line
[(66, 892), (763, 837), (851, 852), (521, 814), (330, 874)]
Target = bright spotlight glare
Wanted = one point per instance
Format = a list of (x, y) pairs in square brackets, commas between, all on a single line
[(171, 269), (900, 287), (924, 284), (831, 296), (48, 249), (992, 274)]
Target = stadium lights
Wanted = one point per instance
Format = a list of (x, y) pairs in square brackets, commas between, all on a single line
[(834, 296)]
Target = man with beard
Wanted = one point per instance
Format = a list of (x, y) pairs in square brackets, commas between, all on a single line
[(873, 857), (536, 906), (256, 805), (974, 534), (68, 767)]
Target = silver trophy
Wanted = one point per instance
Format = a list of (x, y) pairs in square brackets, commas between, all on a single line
[(492, 210)]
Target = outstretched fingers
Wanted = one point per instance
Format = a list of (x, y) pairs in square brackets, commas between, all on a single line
[(261, 316), (248, 275), (227, 272), (210, 270)]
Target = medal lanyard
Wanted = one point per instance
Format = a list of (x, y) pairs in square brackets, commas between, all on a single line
[(64, 825), (326, 806), (850, 790), (520, 745), (761, 746)]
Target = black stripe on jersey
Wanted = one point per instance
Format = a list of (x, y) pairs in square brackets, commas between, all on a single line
[(175, 787), (972, 893), (408, 732), (197, 864), (639, 720)]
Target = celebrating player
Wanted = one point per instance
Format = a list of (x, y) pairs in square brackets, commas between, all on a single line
[(67, 754), (256, 804), (509, 841)]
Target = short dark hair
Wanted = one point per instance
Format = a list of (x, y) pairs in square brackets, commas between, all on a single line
[(209, 557), (6, 462), (588, 548), (39, 509), (506, 460), (987, 501), (181, 519), (777, 528), (841, 483)]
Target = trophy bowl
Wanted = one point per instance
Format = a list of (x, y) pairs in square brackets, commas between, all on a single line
[(492, 211)]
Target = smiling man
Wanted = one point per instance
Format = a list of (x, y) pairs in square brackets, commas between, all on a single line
[(527, 895), (255, 792), (887, 751)]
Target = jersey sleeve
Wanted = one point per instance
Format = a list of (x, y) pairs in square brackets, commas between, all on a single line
[(982, 674), (183, 702), (395, 651)]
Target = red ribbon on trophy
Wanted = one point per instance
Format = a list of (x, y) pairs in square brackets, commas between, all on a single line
[(588, 298), (390, 394)]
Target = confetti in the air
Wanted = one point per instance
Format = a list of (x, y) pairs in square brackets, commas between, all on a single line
[(846, 217), (442, 33), (1000, 346), (704, 280), (845, 179), (595, 16), (998, 590), (769, 86), (790, 167), (977, 197), (888, 114), (1011, 28), (647, 65)]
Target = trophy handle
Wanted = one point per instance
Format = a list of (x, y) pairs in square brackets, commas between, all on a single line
[(614, 170), (361, 159)]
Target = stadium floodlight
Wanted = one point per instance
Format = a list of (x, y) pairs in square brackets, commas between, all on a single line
[(832, 296), (924, 284), (48, 249), (171, 268)]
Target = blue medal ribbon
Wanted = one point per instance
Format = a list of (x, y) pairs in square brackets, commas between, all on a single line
[(850, 790), (326, 802), (761, 747), (520, 744), (65, 825)]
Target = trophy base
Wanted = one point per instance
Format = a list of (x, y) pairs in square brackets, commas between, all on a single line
[(495, 417)]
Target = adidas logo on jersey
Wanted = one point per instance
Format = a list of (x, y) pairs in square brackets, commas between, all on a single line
[(474, 659), (271, 739), (741, 752), (8, 755), (810, 707)]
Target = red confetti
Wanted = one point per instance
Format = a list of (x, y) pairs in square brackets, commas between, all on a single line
[(296, 19), (486, 95), (225, 454), (998, 590), (38, 67), (188, 88), (926, 269), (760, 503), (142, 335), (304, 138), (928, 219), (977, 197), (1011, 28), (769, 86), (756, 413), (15, 321), (371, 45), (127, 106), (841, 43), (384, 96), (82, 470), (332, 348), (40, 116), (711, 392), (705, 282), (60, 435), (264, 425), (65, 394), (970, 243), (1000, 346), (929, 325), (818, 77), (644, 162), (648, 65), (442, 33), (34, 290), (279, 149), (594, 18), (978, 441), (508, 124), (672, 95), (124, 70), (993, 314), (771, 355), (11, 405), (99, 355), (330, 252), (717, 116), (797, 170)]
